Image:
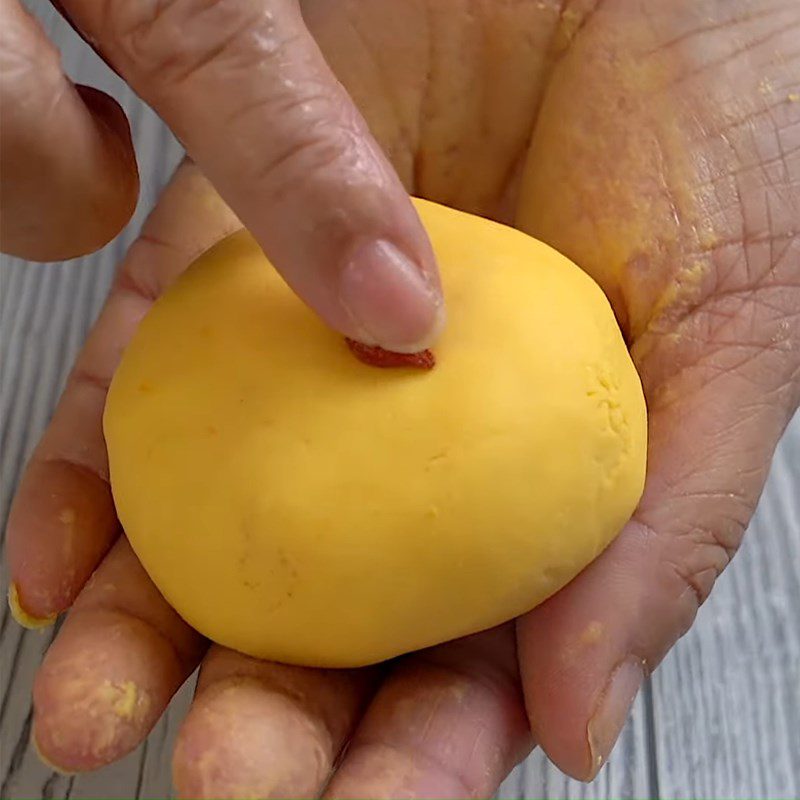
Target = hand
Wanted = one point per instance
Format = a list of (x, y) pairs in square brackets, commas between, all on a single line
[(243, 86), (665, 160)]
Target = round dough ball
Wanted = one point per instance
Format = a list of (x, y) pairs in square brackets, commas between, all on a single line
[(296, 504)]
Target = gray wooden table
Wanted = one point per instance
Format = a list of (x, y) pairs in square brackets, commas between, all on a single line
[(720, 718)]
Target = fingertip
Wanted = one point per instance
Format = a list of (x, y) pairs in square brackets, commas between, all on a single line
[(244, 739), (565, 667), (448, 722), (61, 524), (434, 332), (581, 655), (390, 300), (46, 761), (102, 686), (81, 725), (23, 617)]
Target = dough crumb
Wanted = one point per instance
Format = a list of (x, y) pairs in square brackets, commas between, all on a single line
[(21, 616), (124, 698)]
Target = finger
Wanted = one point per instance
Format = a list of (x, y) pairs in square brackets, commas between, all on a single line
[(448, 722), (586, 651), (69, 172), (245, 88), (120, 656), (63, 520), (705, 272), (260, 729), (714, 425)]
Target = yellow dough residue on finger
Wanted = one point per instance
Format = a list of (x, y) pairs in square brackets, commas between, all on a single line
[(296, 504)]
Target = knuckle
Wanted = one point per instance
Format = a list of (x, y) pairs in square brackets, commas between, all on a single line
[(167, 43), (318, 139), (311, 154), (699, 556)]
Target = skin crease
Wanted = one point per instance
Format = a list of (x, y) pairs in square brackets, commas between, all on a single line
[(664, 159)]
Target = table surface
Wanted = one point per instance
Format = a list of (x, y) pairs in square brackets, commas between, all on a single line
[(720, 717)]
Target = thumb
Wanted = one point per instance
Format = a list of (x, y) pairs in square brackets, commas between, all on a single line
[(244, 87), (713, 428)]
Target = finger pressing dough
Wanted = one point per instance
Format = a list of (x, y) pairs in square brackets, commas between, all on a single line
[(296, 504)]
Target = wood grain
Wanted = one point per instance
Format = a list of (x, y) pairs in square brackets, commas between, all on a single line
[(721, 718)]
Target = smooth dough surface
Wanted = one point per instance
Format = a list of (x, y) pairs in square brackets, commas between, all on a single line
[(295, 504)]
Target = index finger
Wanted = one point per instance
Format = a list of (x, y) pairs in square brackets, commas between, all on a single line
[(245, 88)]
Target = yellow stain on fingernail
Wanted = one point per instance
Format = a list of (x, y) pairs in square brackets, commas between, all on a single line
[(22, 616)]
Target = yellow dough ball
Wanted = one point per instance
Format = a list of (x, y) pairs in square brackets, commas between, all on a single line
[(296, 504)]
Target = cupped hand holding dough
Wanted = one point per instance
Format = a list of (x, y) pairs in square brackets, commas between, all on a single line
[(296, 504)]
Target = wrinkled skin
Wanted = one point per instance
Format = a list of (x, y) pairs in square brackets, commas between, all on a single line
[(664, 159)]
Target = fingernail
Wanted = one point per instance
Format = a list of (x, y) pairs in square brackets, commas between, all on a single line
[(390, 300), (612, 711), (22, 616)]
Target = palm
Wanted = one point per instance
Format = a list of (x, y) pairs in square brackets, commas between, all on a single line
[(612, 134), (659, 151)]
